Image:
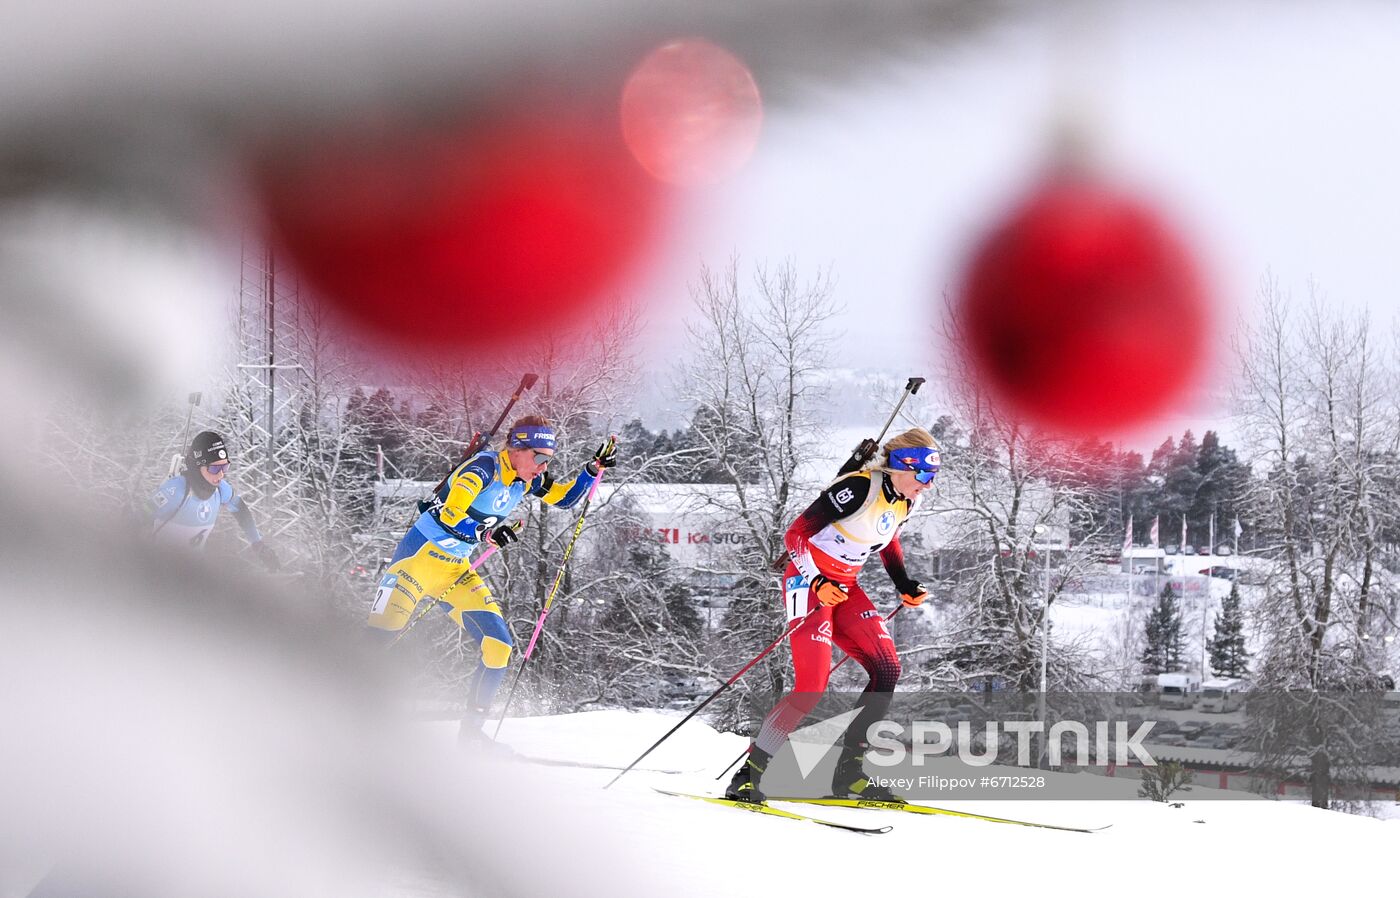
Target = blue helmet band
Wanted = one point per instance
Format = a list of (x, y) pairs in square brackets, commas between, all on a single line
[(532, 437), (923, 461)]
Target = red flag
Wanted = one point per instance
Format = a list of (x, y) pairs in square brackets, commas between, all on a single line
[(1155, 521)]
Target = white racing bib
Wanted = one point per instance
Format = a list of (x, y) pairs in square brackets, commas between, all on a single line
[(851, 539)]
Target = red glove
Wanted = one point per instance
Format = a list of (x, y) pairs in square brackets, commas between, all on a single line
[(828, 592)]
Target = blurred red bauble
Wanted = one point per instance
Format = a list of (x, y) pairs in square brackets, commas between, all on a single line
[(1083, 312), (691, 113), (469, 236)]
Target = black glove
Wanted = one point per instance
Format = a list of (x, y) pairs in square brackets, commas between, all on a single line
[(912, 594), (605, 457), (504, 535), (266, 557)]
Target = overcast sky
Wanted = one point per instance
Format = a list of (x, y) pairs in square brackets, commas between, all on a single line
[(1268, 132)]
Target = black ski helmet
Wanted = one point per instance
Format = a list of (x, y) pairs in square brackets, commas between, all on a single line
[(206, 448)]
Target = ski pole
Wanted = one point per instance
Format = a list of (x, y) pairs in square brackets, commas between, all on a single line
[(714, 695), (481, 559), (835, 667), (479, 440), (549, 599)]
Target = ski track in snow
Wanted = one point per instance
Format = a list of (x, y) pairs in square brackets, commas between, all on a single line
[(700, 849)]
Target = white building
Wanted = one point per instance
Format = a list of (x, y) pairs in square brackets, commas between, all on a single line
[(1144, 559)]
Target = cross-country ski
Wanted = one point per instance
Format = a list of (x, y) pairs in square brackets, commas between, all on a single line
[(758, 808), (912, 808)]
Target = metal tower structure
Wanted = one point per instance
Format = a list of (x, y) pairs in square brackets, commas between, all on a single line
[(262, 414)]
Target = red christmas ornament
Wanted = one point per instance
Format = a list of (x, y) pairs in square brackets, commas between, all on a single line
[(691, 113), (1082, 312), (470, 236)]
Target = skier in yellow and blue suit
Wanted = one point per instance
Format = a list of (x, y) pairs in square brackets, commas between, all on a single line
[(433, 559)]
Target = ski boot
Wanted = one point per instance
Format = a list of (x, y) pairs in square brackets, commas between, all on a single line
[(850, 780), (472, 737), (744, 785)]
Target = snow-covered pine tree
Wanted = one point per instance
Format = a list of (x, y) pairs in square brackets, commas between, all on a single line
[(1228, 657), (1163, 650)]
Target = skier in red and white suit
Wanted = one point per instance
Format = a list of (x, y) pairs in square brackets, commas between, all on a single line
[(856, 516)]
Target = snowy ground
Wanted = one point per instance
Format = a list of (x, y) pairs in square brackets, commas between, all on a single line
[(173, 741), (693, 848)]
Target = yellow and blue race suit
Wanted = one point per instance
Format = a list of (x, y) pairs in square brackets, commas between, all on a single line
[(433, 558)]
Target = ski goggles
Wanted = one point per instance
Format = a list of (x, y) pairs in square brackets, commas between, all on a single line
[(542, 459), (537, 437), (217, 467), (922, 461)]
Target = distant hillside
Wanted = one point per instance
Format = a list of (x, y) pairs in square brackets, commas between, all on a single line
[(855, 398)]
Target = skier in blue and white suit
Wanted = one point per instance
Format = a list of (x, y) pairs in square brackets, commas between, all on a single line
[(186, 507)]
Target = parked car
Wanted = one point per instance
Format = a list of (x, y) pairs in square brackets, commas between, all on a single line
[(1190, 550), (1172, 549), (1192, 729), (1203, 550), (1223, 550), (1210, 741), (1224, 573)]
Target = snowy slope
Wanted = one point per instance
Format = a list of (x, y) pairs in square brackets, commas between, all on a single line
[(1151, 849), (177, 749)]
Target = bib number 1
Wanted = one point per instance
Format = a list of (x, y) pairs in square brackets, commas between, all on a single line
[(796, 590)]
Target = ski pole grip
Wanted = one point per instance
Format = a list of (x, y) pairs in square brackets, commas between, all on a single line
[(593, 490), (914, 384)]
